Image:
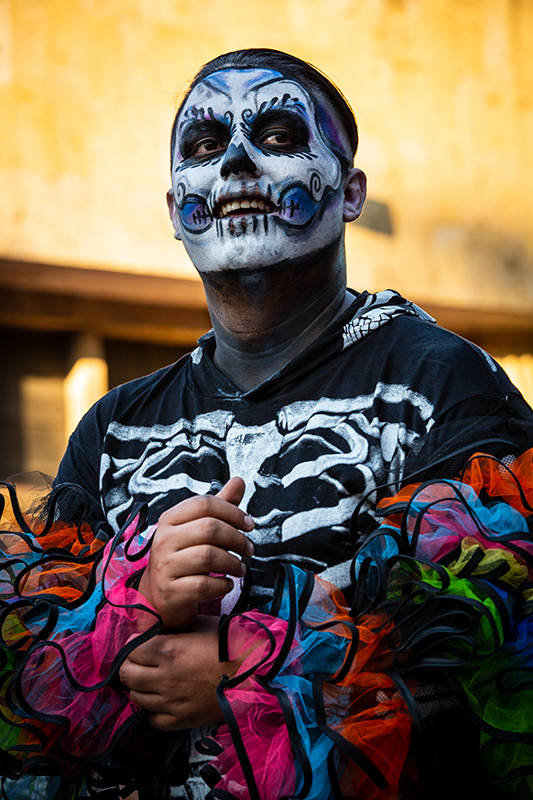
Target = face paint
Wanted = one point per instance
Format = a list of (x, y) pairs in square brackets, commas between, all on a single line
[(253, 173)]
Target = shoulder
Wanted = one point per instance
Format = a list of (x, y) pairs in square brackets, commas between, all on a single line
[(396, 332), (416, 357), (422, 335), (421, 345)]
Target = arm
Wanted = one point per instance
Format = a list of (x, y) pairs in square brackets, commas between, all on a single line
[(174, 574)]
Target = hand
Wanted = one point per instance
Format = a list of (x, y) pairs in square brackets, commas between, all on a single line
[(164, 677), (192, 540)]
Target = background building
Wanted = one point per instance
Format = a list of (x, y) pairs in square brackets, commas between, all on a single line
[(94, 288)]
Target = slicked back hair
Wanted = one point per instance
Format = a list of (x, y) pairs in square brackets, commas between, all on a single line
[(291, 67)]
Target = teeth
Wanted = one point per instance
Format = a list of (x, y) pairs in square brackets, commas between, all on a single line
[(236, 205)]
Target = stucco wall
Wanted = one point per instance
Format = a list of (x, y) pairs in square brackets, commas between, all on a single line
[(443, 91)]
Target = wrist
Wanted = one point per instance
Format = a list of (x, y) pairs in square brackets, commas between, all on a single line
[(174, 619), (143, 586)]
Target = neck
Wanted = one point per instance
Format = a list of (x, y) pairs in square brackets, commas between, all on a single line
[(263, 318)]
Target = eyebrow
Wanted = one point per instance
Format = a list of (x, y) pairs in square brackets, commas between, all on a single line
[(283, 79), (216, 88)]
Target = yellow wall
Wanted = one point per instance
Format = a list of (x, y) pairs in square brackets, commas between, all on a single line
[(443, 91)]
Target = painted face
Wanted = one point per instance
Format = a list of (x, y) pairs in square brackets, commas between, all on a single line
[(254, 179)]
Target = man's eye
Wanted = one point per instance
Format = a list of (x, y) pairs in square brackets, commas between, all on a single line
[(205, 146), (280, 137)]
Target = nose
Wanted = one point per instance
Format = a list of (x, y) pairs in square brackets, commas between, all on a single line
[(237, 160)]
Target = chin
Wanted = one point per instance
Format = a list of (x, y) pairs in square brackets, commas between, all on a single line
[(249, 251), (257, 259)]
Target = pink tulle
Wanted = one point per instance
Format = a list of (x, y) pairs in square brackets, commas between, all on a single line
[(365, 708), (92, 717)]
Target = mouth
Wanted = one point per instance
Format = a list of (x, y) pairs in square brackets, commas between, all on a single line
[(237, 206)]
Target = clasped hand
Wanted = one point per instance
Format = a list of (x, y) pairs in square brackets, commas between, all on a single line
[(174, 676)]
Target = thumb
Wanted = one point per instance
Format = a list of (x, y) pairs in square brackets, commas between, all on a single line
[(233, 491)]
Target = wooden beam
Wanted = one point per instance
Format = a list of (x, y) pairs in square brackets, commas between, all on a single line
[(118, 305), (482, 320), (126, 287), (126, 305), (112, 319)]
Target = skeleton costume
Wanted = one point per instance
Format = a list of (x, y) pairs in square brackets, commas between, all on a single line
[(383, 399)]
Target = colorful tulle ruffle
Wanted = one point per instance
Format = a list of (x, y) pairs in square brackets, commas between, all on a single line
[(329, 701), (312, 703), (327, 697), (68, 618)]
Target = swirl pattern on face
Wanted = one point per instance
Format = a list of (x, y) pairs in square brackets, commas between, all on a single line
[(253, 172)]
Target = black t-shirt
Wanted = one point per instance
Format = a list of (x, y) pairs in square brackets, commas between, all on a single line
[(382, 394)]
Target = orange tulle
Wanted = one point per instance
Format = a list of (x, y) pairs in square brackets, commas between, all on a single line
[(484, 472)]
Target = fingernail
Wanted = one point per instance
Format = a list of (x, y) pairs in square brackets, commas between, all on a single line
[(250, 548), (243, 568), (248, 521)]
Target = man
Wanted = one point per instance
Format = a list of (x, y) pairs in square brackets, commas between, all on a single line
[(302, 401)]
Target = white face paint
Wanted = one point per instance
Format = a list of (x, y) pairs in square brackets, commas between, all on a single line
[(254, 179)]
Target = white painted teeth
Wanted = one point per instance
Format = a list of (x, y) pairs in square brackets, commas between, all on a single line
[(236, 205)]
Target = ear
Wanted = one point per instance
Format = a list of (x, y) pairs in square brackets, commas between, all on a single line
[(354, 194), (173, 213)]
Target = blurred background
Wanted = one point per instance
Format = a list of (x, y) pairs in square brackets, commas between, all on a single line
[(95, 290)]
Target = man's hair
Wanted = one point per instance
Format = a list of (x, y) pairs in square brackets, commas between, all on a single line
[(291, 67)]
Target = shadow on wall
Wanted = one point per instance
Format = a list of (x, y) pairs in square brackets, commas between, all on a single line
[(376, 216), (496, 268)]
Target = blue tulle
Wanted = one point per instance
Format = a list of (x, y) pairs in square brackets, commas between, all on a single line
[(81, 618), (31, 787), (497, 518)]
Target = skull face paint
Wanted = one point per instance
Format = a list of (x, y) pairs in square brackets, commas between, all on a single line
[(253, 173)]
